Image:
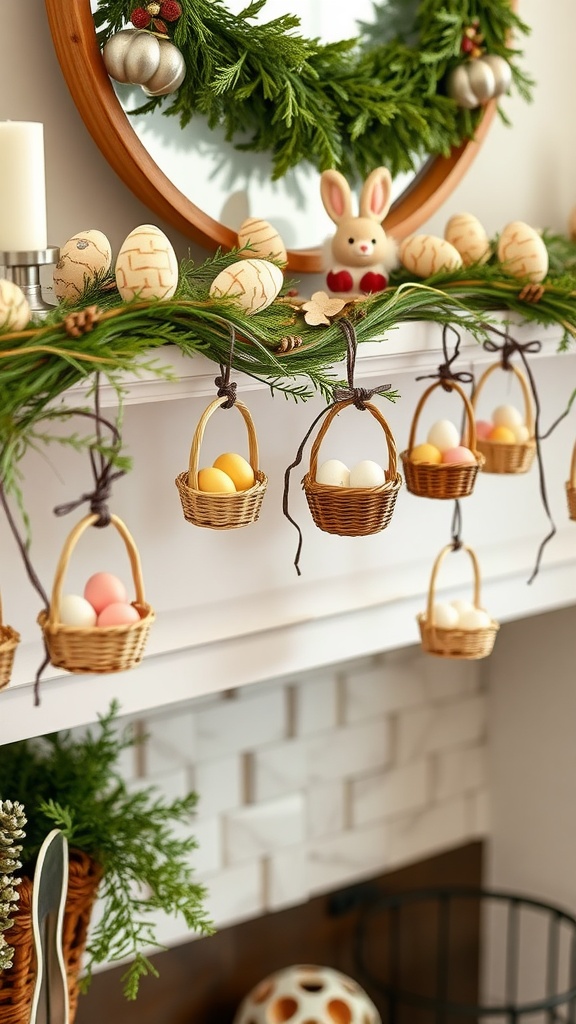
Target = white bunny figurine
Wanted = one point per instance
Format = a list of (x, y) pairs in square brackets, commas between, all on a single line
[(362, 253)]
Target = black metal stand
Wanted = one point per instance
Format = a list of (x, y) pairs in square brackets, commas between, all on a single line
[(532, 980)]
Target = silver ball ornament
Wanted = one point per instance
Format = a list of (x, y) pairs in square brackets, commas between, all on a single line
[(170, 72), (138, 57), (501, 70)]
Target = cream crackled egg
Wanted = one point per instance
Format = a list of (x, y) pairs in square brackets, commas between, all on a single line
[(85, 256), (264, 240), (14, 307), (253, 284), (522, 252), (465, 232), (425, 255), (146, 267)]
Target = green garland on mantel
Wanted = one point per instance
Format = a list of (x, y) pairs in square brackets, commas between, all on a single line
[(354, 104), (40, 364)]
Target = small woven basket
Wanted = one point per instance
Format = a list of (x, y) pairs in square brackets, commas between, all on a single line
[(17, 982), (352, 511), (9, 640), (221, 511), (96, 649), (501, 457), (571, 487), (443, 481), (455, 643)]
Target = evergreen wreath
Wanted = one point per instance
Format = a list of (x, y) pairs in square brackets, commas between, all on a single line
[(378, 97)]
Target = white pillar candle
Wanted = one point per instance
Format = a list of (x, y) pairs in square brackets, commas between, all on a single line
[(22, 187)]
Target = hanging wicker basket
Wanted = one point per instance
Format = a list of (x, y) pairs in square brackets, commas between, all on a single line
[(96, 649), (221, 511), (571, 487), (17, 982), (455, 643), (444, 480), (502, 457), (9, 640), (352, 511)]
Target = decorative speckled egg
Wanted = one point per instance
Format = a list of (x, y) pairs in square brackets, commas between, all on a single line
[(522, 252), (253, 284), (465, 232), (83, 257), (146, 267), (425, 255), (14, 308), (264, 240), (307, 994)]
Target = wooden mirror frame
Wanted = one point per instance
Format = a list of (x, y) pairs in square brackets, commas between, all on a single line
[(74, 36)]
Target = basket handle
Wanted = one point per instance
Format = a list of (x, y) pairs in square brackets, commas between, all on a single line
[(373, 409), (437, 564), (572, 484), (528, 409), (199, 434), (469, 436), (70, 544)]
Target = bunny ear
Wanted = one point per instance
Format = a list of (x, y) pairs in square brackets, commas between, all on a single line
[(376, 194), (336, 195)]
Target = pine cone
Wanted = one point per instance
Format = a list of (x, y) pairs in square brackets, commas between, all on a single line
[(77, 324)]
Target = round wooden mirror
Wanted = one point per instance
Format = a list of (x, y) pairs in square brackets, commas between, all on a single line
[(74, 36)]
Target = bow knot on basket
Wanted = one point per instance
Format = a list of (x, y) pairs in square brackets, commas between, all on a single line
[(225, 511), (100, 649), (443, 480), (456, 641), (509, 456)]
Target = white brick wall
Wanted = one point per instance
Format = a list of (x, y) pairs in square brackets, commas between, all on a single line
[(311, 783)]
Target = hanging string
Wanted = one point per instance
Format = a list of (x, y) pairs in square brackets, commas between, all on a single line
[(103, 471), (456, 528), (359, 396), (445, 372), (507, 349), (226, 387)]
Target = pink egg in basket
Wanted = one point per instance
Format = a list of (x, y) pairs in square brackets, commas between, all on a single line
[(458, 456), (483, 429), (102, 589), (119, 613)]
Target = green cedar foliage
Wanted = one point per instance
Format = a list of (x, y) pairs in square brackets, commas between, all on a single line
[(355, 104)]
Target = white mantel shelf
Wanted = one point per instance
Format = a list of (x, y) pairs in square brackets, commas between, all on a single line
[(410, 348), (217, 646)]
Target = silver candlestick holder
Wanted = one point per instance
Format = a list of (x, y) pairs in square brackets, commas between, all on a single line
[(23, 268)]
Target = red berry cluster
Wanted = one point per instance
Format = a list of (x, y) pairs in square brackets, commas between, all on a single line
[(156, 14), (472, 40)]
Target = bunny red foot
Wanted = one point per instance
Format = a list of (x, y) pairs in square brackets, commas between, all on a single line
[(372, 282), (339, 280)]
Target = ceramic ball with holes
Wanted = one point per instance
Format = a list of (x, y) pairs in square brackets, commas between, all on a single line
[(307, 994)]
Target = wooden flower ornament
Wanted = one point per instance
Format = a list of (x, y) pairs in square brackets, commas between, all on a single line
[(362, 253)]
